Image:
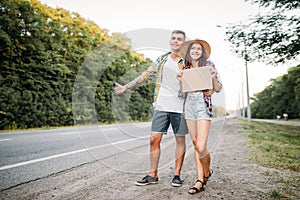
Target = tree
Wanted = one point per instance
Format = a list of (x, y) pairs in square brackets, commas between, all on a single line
[(283, 92), (273, 37), (42, 53)]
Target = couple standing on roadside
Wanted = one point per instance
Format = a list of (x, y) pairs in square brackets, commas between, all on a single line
[(186, 113)]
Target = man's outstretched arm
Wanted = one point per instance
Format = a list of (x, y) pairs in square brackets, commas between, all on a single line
[(119, 89)]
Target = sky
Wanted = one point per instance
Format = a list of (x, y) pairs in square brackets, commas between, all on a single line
[(199, 19)]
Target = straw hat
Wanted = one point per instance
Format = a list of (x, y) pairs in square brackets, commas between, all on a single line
[(185, 45)]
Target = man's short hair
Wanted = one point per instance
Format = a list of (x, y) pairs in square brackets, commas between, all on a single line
[(179, 32)]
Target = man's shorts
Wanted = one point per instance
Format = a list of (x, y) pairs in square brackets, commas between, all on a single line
[(161, 121)]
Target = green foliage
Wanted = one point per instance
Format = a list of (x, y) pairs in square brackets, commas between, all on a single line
[(142, 99), (271, 37), (283, 92), (283, 4), (58, 68)]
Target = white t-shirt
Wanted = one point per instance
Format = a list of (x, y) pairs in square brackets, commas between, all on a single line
[(168, 99)]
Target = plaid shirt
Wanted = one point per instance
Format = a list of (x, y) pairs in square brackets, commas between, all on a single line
[(157, 69)]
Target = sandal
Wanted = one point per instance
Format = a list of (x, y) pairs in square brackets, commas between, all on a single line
[(207, 177), (194, 189)]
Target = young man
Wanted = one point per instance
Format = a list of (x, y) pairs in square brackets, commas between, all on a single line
[(168, 107)]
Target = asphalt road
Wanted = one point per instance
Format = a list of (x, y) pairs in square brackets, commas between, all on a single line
[(34, 155), (31, 155), (282, 121)]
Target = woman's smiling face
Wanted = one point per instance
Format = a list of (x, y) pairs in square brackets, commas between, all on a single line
[(196, 51)]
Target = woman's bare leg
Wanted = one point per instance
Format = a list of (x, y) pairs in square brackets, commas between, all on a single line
[(192, 127), (206, 167), (203, 127)]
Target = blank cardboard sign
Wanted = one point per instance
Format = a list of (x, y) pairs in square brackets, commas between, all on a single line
[(195, 79)]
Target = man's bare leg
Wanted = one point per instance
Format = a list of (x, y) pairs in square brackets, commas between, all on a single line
[(180, 153), (154, 153)]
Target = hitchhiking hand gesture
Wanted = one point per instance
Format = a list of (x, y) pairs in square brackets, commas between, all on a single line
[(119, 89)]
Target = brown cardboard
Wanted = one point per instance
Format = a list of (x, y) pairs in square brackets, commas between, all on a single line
[(195, 79)]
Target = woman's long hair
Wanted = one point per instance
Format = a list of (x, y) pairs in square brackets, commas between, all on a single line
[(188, 59)]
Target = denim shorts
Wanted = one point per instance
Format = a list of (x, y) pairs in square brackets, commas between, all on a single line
[(161, 121), (195, 107)]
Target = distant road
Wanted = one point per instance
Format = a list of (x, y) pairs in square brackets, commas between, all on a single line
[(297, 123)]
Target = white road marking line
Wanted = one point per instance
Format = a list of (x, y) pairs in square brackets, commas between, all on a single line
[(1, 140), (71, 133), (66, 154), (87, 131), (99, 130)]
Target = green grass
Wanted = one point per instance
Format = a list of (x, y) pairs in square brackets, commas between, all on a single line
[(276, 146)]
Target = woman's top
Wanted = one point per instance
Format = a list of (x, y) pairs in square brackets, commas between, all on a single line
[(207, 98)]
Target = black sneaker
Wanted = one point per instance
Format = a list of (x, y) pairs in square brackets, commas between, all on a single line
[(147, 180), (176, 182)]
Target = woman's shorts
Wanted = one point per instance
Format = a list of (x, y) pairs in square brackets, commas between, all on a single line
[(195, 107)]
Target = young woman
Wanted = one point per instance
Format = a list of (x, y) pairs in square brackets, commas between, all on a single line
[(198, 109)]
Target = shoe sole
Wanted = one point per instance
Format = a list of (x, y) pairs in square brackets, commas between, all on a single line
[(176, 184), (143, 184)]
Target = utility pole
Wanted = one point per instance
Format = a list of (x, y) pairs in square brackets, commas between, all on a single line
[(243, 108), (247, 83)]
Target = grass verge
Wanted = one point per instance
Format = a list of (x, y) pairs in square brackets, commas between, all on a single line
[(276, 146)]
